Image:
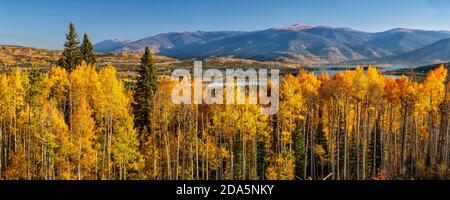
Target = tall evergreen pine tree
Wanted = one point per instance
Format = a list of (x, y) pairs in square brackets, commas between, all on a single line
[(146, 87), (87, 51), (71, 56)]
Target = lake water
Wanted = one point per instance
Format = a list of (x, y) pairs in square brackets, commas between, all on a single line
[(332, 70)]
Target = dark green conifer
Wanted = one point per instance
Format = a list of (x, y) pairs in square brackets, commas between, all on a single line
[(87, 51), (147, 84), (71, 56)]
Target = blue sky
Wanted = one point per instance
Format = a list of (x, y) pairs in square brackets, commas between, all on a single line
[(43, 23)]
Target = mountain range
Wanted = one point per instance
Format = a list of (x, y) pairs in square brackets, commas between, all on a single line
[(297, 43)]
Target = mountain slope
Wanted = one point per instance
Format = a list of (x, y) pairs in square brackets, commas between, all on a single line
[(109, 45), (400, 41), (174, 40), (304, 43), (344, 35), (437, 52), (277, 43)]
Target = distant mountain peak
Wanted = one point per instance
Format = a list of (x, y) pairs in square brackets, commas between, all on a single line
[(110, 45), (324, 27), (349, 29), (295, 27), (402, 30), (194, 32)]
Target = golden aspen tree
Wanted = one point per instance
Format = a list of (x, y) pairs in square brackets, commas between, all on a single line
[(291, 112), (83, 141), (121, 137), (357, 124)]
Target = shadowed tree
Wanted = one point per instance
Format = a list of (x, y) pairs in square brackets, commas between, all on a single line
[(146, 87), (71, 56), (87, 51)]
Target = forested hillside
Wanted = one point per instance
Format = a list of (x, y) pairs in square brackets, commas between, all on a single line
[(78, 121), (355, 125), (25, 57)]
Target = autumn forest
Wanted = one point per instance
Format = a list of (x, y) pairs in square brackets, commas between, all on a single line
[(79, 121)]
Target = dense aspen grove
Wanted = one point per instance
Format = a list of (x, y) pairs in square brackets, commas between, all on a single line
[(355, 125), (78, 121)]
